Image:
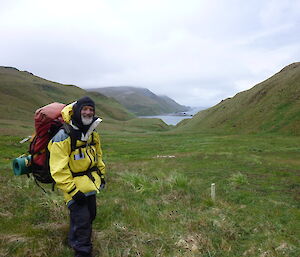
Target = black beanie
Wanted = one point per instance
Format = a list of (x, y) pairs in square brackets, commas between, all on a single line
[(77, 107), (83, 101)]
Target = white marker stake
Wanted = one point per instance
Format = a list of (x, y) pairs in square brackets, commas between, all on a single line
[(213, 191)]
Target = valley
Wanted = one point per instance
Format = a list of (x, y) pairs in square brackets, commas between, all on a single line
[(158, 201)]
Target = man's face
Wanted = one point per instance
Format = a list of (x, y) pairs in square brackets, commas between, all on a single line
[(87, 114)]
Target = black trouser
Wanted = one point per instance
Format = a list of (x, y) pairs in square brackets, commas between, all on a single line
[(81, 219)]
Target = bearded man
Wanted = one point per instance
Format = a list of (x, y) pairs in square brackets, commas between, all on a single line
[(78, 170)]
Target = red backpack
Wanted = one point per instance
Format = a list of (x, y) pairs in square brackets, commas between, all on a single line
[(48, 121)]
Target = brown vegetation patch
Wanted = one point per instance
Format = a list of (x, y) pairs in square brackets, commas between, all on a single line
[(195, 244), (12, 238), (6, 214)]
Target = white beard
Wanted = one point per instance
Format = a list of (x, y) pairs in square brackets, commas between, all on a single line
[(86, 121)]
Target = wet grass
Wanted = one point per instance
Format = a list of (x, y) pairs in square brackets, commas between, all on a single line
[(157, 201)]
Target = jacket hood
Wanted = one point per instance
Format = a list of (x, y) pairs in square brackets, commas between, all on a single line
[(67, 112)]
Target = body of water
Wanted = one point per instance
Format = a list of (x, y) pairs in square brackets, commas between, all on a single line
[(174, 118)]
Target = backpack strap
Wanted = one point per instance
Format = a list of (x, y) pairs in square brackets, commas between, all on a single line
[(70, 131), (87, 172)]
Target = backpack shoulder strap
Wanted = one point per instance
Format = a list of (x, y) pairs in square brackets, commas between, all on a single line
[(70, 131)]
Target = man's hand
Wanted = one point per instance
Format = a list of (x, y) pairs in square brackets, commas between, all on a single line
[(79, 198), (102, 182)]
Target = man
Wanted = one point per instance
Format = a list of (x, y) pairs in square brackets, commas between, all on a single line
[(77, 168)]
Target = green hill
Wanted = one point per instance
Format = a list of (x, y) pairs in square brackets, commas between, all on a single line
[(270, 106), (21, 93), (141, 101)]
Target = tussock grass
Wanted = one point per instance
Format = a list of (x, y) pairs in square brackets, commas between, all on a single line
[(161, 206), (238, 179)]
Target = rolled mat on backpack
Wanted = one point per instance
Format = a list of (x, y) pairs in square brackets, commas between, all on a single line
[(21, 165)]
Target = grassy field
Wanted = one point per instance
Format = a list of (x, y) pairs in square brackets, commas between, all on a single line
[(157, 201)]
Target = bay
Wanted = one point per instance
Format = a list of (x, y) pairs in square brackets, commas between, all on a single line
[(175, 118)]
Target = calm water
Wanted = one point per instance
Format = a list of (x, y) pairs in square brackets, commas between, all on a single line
[(172, 119)]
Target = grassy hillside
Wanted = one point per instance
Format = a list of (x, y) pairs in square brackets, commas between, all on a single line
[(142, 101), (21, 93), (174, 105), (271, 106)]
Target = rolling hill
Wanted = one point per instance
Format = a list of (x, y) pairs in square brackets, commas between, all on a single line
[(141, 101), (271, 106), (21, 93)]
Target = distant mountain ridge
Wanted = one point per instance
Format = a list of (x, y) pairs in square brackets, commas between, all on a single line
[(141, 101), (21, 93), (271, 106)]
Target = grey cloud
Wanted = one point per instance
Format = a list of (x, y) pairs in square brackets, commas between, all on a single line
[(194, 51)]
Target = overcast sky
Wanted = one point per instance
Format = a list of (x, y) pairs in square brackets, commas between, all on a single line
[(197, 52)]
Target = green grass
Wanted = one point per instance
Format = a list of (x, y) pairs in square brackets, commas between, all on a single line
[(157, 201)]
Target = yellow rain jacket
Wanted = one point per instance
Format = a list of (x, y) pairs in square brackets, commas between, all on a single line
[(63, 162)]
